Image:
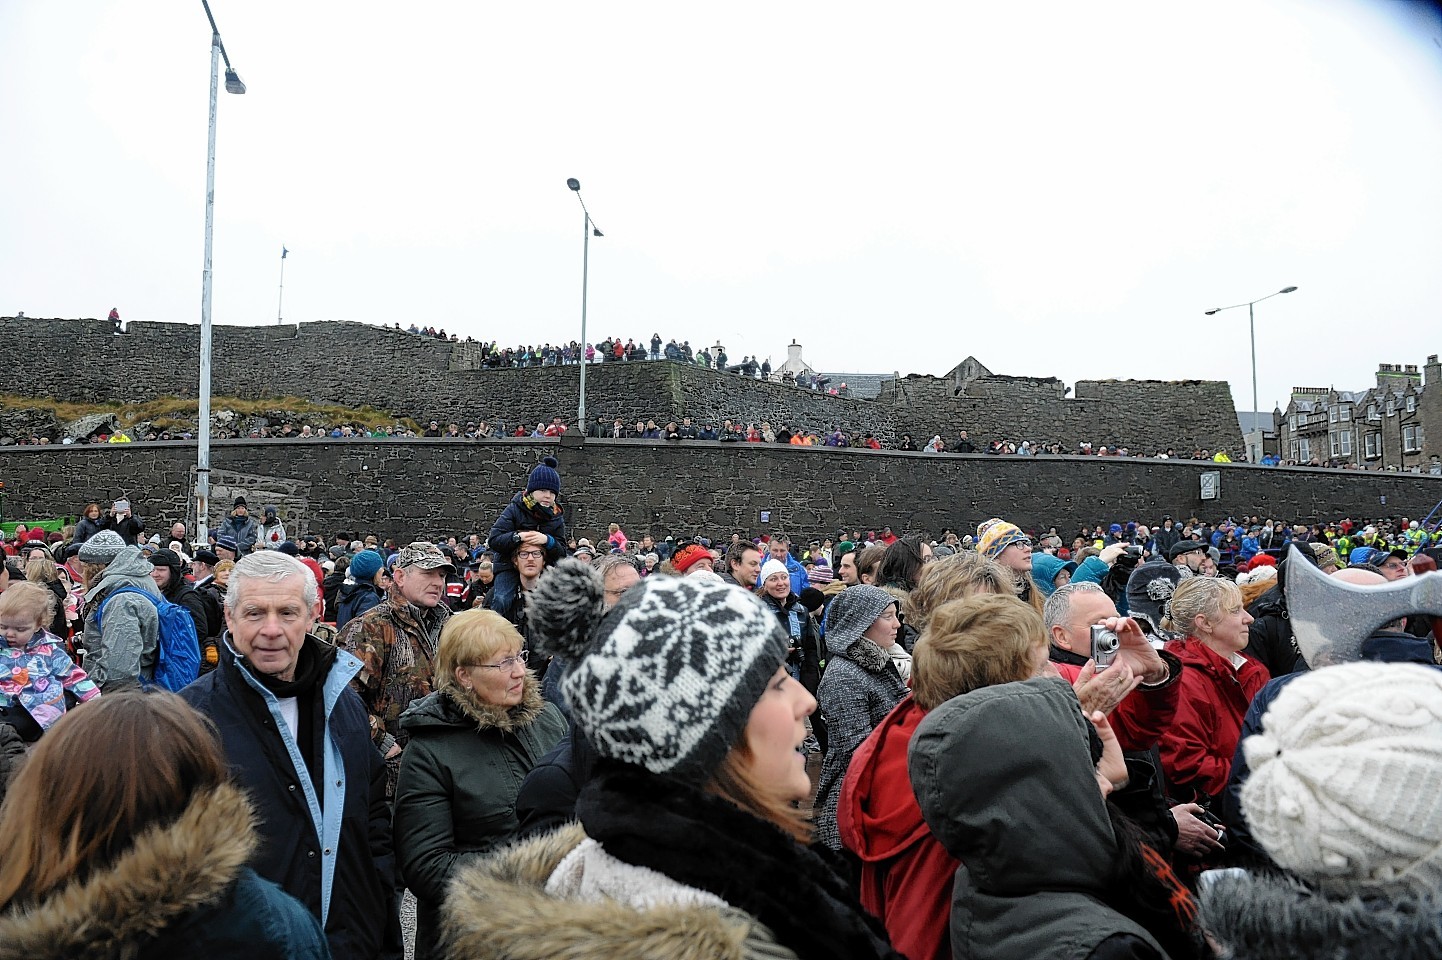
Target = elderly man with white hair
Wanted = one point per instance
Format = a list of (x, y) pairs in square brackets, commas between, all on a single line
[(297, 739)]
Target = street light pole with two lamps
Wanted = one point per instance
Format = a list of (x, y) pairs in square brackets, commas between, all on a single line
[(233, 84), (587, 227)]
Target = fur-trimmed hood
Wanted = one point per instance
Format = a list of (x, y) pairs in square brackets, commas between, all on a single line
[(1260, 917), (498, 909), (166, 874), (454, 706)]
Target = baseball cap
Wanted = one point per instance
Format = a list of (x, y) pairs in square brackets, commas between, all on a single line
[(423, 555)]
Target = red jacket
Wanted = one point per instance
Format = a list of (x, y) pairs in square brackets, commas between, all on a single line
[(1145, 713), (906, 874), (1198, 747)]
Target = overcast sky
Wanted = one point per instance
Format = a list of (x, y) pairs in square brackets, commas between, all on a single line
[(1059, 189)]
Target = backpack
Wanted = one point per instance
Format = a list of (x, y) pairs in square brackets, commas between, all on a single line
[(177, 663)]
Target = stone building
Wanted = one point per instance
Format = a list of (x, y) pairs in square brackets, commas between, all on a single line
[(1393, 425)]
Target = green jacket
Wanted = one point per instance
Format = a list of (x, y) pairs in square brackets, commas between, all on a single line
[(456, 796)]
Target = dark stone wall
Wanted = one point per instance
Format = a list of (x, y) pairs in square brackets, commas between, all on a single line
[(412, 376), (408, 488)]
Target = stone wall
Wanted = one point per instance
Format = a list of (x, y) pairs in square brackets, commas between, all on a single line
[(413, 376), (409, 488)]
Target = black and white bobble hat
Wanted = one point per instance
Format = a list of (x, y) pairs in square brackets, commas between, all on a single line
[(666, 679)]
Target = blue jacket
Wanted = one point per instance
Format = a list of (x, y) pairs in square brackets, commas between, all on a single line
[(331, 852), (355, 599), (799, 580)]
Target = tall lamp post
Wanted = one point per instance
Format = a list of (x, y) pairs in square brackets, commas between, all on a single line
[(1252, 323), (233, 84), (588, 226)]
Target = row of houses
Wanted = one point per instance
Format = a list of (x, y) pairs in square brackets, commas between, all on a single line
[(1394, 425)]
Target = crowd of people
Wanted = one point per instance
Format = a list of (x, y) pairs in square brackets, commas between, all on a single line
[(1170, 739)]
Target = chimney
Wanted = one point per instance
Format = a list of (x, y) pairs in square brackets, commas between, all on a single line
[(793, 355), (1433, 370)]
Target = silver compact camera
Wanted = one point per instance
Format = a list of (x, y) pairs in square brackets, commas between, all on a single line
[(1105, 645)]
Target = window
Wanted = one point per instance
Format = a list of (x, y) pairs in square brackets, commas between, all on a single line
[(1346, 414), (1296, 422), (1374, 446), (1391, 408), (1336, 446), (1372, 413), (1295, 450), (1409, 439), (1305, 452), (1332, 415), (1412, 404), (1347, 444)]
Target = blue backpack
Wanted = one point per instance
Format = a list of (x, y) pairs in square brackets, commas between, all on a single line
[(177, 663)]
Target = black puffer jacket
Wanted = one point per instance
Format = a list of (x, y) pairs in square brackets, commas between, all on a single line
[(1270, 635)]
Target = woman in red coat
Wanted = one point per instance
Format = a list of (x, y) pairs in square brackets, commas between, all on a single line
[(1218, 684)]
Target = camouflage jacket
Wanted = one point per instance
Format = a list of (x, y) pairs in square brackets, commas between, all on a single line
[(396, 642)]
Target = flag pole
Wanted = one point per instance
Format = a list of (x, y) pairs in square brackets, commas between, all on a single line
[(280, 302)]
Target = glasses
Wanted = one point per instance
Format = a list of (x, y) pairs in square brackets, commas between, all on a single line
[(505, 664), (530, 554)]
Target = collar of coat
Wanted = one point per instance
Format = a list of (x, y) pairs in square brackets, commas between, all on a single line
[(868, 656), (499, 908), (489, 716), (1259, 915), (170, 871)]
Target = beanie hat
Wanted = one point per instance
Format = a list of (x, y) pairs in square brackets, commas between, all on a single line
[(167, 558), (227, 543), (101, 548), (1344, 755), (544, 476), (1267, 560), (239, 502), (688, 556), (667, 678), (773, 566), (365, 565), (1150, 587), (996, 535), (1326, 555), (289, 548), (852, 613)]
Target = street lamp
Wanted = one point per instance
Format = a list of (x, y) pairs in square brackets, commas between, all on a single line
[(233, 84), (1252, 323), (587, 227)]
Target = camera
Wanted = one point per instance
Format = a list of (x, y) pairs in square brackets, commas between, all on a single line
[(1105, 644)]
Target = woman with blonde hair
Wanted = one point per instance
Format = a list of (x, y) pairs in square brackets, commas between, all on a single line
[(1009, 546), (122, 837), (963, 574), (41, 570), (472, 742), (690, 845), (1217, 686)]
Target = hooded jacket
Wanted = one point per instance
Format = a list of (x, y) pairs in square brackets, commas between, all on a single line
[(244, 529), (180, 890), (1197, 748), (125, 650), (906, 873), (992, 770), (859, 688), (456, 797)]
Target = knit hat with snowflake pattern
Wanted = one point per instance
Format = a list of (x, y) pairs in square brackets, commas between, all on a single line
[(666, 679)]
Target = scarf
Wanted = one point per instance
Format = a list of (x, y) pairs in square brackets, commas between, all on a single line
[(705, 842)]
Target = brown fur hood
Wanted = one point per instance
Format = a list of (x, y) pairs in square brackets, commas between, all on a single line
[(498, 909), (168, 872)]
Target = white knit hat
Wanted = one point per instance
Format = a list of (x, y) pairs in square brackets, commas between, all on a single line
[(1345, 778), (773, 566)]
